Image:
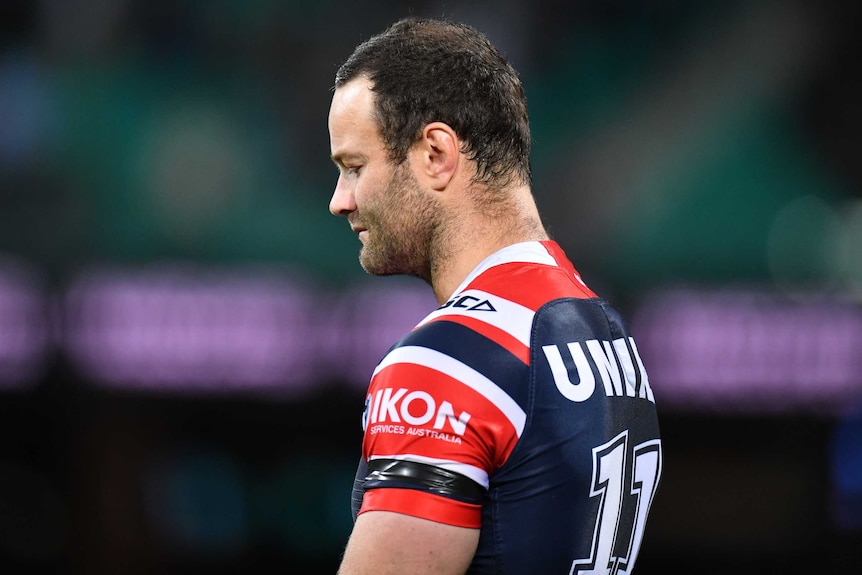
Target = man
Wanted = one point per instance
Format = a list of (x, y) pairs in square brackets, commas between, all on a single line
[(513, 431)]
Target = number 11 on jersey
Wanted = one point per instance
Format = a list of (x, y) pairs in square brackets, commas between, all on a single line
[(609, 473)]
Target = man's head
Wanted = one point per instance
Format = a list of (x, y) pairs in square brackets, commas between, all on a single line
[(424, 71), (420, 114), (398, 221)]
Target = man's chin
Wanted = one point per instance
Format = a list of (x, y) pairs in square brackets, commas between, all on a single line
[(371, 266), (376, 270), (376, 267)]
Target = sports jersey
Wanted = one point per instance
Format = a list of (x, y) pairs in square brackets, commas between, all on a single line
[(520, 407)]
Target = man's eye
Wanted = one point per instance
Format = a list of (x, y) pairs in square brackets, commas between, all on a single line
[(352, 171)]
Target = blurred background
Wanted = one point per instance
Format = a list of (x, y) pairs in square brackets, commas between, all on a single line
[(186, 334)]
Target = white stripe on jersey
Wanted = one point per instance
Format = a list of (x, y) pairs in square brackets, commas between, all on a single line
[(513, 318), (433, 359), (526, 252), (478, 475)]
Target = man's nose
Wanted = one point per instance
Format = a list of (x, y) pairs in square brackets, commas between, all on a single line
[(342, 202)]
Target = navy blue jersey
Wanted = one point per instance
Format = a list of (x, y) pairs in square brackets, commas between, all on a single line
[(520, 407)]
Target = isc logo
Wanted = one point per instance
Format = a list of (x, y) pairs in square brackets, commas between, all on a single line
[(470, 303), (414, 408)]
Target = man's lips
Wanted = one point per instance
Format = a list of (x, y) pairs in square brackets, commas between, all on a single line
[(359, 231)]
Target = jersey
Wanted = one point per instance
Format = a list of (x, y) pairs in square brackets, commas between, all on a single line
[(520, 407)]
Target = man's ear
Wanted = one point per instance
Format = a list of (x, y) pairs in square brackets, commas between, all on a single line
[(439, 155)]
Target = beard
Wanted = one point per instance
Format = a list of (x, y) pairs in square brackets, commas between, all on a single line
[(403, 225)]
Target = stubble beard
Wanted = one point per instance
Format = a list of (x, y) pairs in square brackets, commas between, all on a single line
[(405, 229)]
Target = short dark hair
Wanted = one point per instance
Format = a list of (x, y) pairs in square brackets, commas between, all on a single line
[(425, 70)]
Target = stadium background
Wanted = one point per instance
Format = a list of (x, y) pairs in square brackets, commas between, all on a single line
[(185, 332)]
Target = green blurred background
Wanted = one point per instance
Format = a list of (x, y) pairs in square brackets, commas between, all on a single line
[(699, 161)]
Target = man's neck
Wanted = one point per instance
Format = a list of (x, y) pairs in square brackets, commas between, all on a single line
[(471, 237)]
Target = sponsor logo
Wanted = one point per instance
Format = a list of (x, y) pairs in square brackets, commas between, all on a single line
[(391, 407), (616, 364), (417, 431), (469, 303)]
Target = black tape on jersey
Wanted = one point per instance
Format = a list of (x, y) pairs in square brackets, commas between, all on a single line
[(428, 478)]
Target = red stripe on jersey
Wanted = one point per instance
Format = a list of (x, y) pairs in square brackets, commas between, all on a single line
[(424, 505), (492, 332), (531, 285), (563, 261), (556, 252)]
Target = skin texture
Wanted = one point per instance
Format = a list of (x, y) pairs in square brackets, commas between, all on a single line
[(429, 218), (385, 543)]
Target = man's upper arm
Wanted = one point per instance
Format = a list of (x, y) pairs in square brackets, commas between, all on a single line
[(387, 543)]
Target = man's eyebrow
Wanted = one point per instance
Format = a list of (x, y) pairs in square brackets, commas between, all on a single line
[(341, 157)]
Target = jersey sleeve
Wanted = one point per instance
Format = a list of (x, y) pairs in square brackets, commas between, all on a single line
[(438, 423)]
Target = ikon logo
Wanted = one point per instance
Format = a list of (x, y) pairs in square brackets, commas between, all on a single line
[(414, 408)]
